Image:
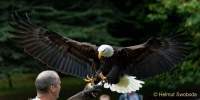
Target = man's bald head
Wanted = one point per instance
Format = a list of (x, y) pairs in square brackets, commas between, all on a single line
[(45, 79)]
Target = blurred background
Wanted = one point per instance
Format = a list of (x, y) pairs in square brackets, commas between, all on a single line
[(119, 23)]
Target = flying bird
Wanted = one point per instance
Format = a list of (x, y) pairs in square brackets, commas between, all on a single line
[(118, 68)]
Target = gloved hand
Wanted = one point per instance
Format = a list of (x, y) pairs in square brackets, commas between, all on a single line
[(87, 93), (92, 92)]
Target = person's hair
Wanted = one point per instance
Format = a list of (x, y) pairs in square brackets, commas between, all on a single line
[(45, 79)]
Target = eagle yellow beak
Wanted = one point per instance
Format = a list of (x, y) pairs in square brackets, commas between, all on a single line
[(100, 55)]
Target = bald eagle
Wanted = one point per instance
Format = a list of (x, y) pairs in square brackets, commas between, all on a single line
[(115, 67)]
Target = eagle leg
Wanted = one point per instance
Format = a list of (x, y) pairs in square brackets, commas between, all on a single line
[(102, 77)]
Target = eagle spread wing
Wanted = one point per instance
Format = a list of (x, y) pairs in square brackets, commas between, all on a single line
[(62, 54), (155, 56)]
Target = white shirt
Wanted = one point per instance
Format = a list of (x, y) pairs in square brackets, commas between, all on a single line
[(36, 98)]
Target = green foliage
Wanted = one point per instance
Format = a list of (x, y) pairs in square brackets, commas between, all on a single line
[(24, 88), (182, 76), (122, 22)]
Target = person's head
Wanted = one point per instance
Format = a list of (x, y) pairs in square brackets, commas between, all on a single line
[(104, 97), (48, 82)]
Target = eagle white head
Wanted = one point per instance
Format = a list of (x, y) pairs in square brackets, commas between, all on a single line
[(105, 51)]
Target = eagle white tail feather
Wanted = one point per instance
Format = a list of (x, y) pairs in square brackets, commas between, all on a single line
[(126, 84)]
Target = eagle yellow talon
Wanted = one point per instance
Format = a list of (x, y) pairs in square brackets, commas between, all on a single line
[(89, 79)]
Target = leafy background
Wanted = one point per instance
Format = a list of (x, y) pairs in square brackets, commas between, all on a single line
[(120, 23)]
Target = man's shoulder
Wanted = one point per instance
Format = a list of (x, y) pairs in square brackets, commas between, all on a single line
[(34, 98)]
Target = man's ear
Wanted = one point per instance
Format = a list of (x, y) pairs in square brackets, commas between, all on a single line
[(52, 88)]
